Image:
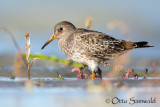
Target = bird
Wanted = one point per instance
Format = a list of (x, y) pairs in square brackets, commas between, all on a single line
[(90, 47)]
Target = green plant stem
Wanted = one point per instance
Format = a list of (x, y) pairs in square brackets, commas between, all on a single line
[(54, 59)]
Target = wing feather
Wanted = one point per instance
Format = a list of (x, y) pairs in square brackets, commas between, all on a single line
[(98, 45)]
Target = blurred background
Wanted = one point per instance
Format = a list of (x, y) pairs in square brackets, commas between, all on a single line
[(140, 19), (135, 20)]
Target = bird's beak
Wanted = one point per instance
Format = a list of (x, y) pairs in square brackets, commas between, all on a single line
[(53, 37)]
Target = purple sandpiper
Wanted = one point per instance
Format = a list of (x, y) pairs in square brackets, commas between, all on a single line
[(90, 47)]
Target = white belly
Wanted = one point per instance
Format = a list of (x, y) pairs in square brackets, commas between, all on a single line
[(83, 59)]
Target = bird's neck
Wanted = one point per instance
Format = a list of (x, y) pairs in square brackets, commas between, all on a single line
[(62, 43), (65, 46)]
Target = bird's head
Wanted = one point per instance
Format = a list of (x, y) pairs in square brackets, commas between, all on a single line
[(61, 30)]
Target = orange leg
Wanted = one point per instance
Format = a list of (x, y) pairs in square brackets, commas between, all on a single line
[(93, 75)]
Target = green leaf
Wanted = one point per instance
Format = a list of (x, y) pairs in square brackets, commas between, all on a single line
[(54, 59), (60, 77)]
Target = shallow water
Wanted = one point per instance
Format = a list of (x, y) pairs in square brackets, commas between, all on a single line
[(48, 92)]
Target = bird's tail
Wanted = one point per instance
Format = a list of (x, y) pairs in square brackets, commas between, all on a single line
[(142, 44)]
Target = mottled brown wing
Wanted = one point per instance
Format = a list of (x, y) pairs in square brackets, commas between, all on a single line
[(99, 45)]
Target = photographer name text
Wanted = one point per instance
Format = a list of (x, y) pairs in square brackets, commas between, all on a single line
[(131, 101)]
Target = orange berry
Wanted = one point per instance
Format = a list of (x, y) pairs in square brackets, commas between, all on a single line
[(26, 35)]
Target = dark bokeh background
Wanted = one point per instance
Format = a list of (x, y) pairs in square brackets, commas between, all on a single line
[(38, 18)]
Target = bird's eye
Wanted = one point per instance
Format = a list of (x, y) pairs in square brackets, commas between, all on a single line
[(60, 29)]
